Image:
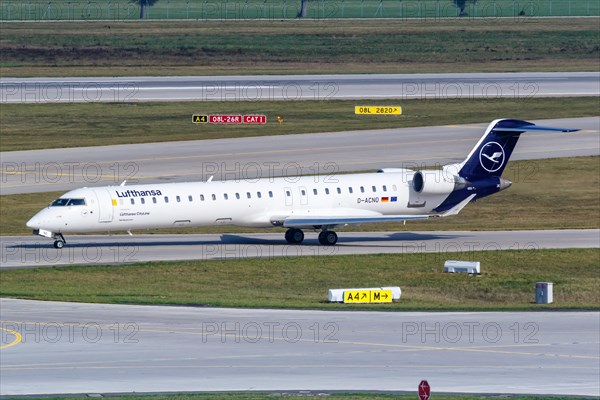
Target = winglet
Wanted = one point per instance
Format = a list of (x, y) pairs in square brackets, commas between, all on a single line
[(457, 208)]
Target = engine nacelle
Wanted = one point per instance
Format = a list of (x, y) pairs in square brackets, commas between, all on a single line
[(436, 182)]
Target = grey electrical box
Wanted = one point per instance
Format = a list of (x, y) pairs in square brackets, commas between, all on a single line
[(543, 292)]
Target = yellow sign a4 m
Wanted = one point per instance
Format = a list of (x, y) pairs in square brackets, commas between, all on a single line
[(368, 296)]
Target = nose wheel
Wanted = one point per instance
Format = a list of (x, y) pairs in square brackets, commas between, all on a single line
[(328, 238), (60, 241)]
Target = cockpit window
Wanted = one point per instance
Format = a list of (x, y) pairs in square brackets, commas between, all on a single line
[(77, 202), (67, 202), (59, 203)]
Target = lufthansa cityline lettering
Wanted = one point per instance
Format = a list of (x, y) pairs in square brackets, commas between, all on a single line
[(138, 193)]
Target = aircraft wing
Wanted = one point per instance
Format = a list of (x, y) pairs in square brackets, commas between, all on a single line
[(300, 221)]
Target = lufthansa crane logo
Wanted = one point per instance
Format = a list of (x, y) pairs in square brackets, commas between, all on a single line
[(491, 156)]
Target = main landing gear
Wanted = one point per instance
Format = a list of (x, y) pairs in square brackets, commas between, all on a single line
[(328, 238), (296, 236), (60, 241)]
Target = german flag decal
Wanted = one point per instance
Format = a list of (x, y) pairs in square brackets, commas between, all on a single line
[(385, 199)]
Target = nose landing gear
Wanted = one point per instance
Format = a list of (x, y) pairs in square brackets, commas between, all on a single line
[(60, 241)]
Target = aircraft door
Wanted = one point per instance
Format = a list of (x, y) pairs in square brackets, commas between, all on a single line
[(105, 206), (303, 196)]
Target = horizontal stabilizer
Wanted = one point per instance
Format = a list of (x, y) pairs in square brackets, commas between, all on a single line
[(532, 128)]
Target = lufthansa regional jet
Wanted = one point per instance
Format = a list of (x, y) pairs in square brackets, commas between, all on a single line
[(301, 203)]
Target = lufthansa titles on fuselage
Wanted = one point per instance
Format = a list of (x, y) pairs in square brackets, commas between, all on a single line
[(137, 193)]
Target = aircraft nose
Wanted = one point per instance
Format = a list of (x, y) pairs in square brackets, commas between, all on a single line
[(34, 222)]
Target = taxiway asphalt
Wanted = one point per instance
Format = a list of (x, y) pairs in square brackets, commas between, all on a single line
[(246, 159), (516, 85), (95, 348), (34, 251)]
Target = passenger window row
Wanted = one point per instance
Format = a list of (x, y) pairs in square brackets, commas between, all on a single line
[(238, 196), (202, 198), (362, 189)]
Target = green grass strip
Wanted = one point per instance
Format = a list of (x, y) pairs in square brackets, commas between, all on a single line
[(115, 48), (43, 126), (507, 281)]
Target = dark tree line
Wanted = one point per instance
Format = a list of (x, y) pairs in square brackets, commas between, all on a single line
[(462, 4), (144, 4), (302, 11)]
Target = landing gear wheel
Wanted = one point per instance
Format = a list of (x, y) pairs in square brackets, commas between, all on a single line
[(294, 235), (59, 241), (328, 238)]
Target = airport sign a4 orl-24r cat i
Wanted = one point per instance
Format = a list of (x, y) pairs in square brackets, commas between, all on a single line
[(229, 119)]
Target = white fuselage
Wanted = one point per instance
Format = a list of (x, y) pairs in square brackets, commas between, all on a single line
[(259, 203), (297, 203)]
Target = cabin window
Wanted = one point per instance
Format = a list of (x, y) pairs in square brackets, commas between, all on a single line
[(154, 200), (225, 196), (326, 190), (166, 199), (190, 199), (270, 193), (303, 192), (201, 197), (394, 188), (339, 191), (143, 201), (384, 188), (362, 189), (120, 202), (178, 199), (315, 192), (237, 196), (288, 193), (214, 196), (374, 189), (350, 190), (132, 201), (259, 195), (248, 195)]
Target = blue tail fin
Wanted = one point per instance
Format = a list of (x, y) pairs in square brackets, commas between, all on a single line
[(489, 157)]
